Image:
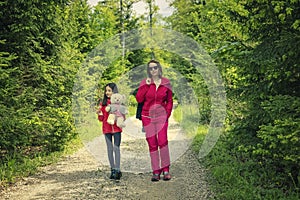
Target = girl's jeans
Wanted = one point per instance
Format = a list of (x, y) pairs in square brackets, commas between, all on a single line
[(113, 141)]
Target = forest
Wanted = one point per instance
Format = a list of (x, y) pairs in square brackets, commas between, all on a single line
[(57, 55)]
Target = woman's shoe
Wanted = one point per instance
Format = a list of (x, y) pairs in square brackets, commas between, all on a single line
[(155, 177), (167, 176), (112, 174)]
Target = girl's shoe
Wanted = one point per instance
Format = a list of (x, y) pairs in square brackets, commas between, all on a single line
[(167, 176), (112, 174), (118, 175), (155, 177)]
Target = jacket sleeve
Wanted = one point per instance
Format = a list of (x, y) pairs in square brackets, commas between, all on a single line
[(139, 109), (101, 117), (143, 88), (169, 106)]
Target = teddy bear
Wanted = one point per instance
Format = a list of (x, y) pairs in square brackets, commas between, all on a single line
[(117, 110)]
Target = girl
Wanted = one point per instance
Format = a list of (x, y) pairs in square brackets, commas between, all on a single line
[(112, 133), (156, 94)]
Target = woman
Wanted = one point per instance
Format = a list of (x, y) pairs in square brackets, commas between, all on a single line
[(155, 93)]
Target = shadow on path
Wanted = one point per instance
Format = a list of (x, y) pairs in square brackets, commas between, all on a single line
[(84, 175)]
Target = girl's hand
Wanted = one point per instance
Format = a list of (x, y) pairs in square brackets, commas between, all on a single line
[(99, 111), (148, 81)]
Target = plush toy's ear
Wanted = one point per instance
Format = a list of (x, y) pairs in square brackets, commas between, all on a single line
[(112, 98)]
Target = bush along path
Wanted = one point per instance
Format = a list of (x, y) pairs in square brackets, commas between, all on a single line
[(84, 175)]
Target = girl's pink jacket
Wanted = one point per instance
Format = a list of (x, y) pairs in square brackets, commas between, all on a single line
[(106, 127), (155, 99)]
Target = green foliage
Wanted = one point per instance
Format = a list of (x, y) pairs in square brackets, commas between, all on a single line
[(39, 60), (236, 178), (17, 165), (103, 21), (256, 47), (50, 129), (77, 17), (45, 69), (42, 46), (279, 138), (264, 126)]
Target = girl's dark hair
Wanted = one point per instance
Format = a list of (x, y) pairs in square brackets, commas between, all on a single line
[(114, 88), (158, 65)]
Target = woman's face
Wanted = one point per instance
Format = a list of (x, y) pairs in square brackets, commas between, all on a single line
[(108, 91), (153, 68)]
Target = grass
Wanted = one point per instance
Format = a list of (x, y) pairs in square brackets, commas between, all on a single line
[(188, 118), (19, 166), (131, 111), (232, 178), (93, 128)]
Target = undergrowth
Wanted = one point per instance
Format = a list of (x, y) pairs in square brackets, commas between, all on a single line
[(18, 166), (233, 178)]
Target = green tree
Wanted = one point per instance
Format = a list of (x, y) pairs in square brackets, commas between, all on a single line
[(256, 46), (45, 66)]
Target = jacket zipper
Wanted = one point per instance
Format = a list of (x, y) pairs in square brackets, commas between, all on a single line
[(156, 90)]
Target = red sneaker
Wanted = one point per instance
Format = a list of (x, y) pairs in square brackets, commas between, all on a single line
[(155, 177), (167, 176)]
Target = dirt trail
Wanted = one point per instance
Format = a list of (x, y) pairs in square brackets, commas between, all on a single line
[(84, 175)]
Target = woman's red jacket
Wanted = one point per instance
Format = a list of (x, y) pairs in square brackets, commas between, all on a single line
[(154, 98)]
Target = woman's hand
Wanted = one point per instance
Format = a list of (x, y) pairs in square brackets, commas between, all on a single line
[(148, 81)]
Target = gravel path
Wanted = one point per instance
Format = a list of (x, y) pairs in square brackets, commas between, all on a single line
[(84, 175)]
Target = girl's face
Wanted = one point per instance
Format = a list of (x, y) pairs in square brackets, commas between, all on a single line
[(108, 91)]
